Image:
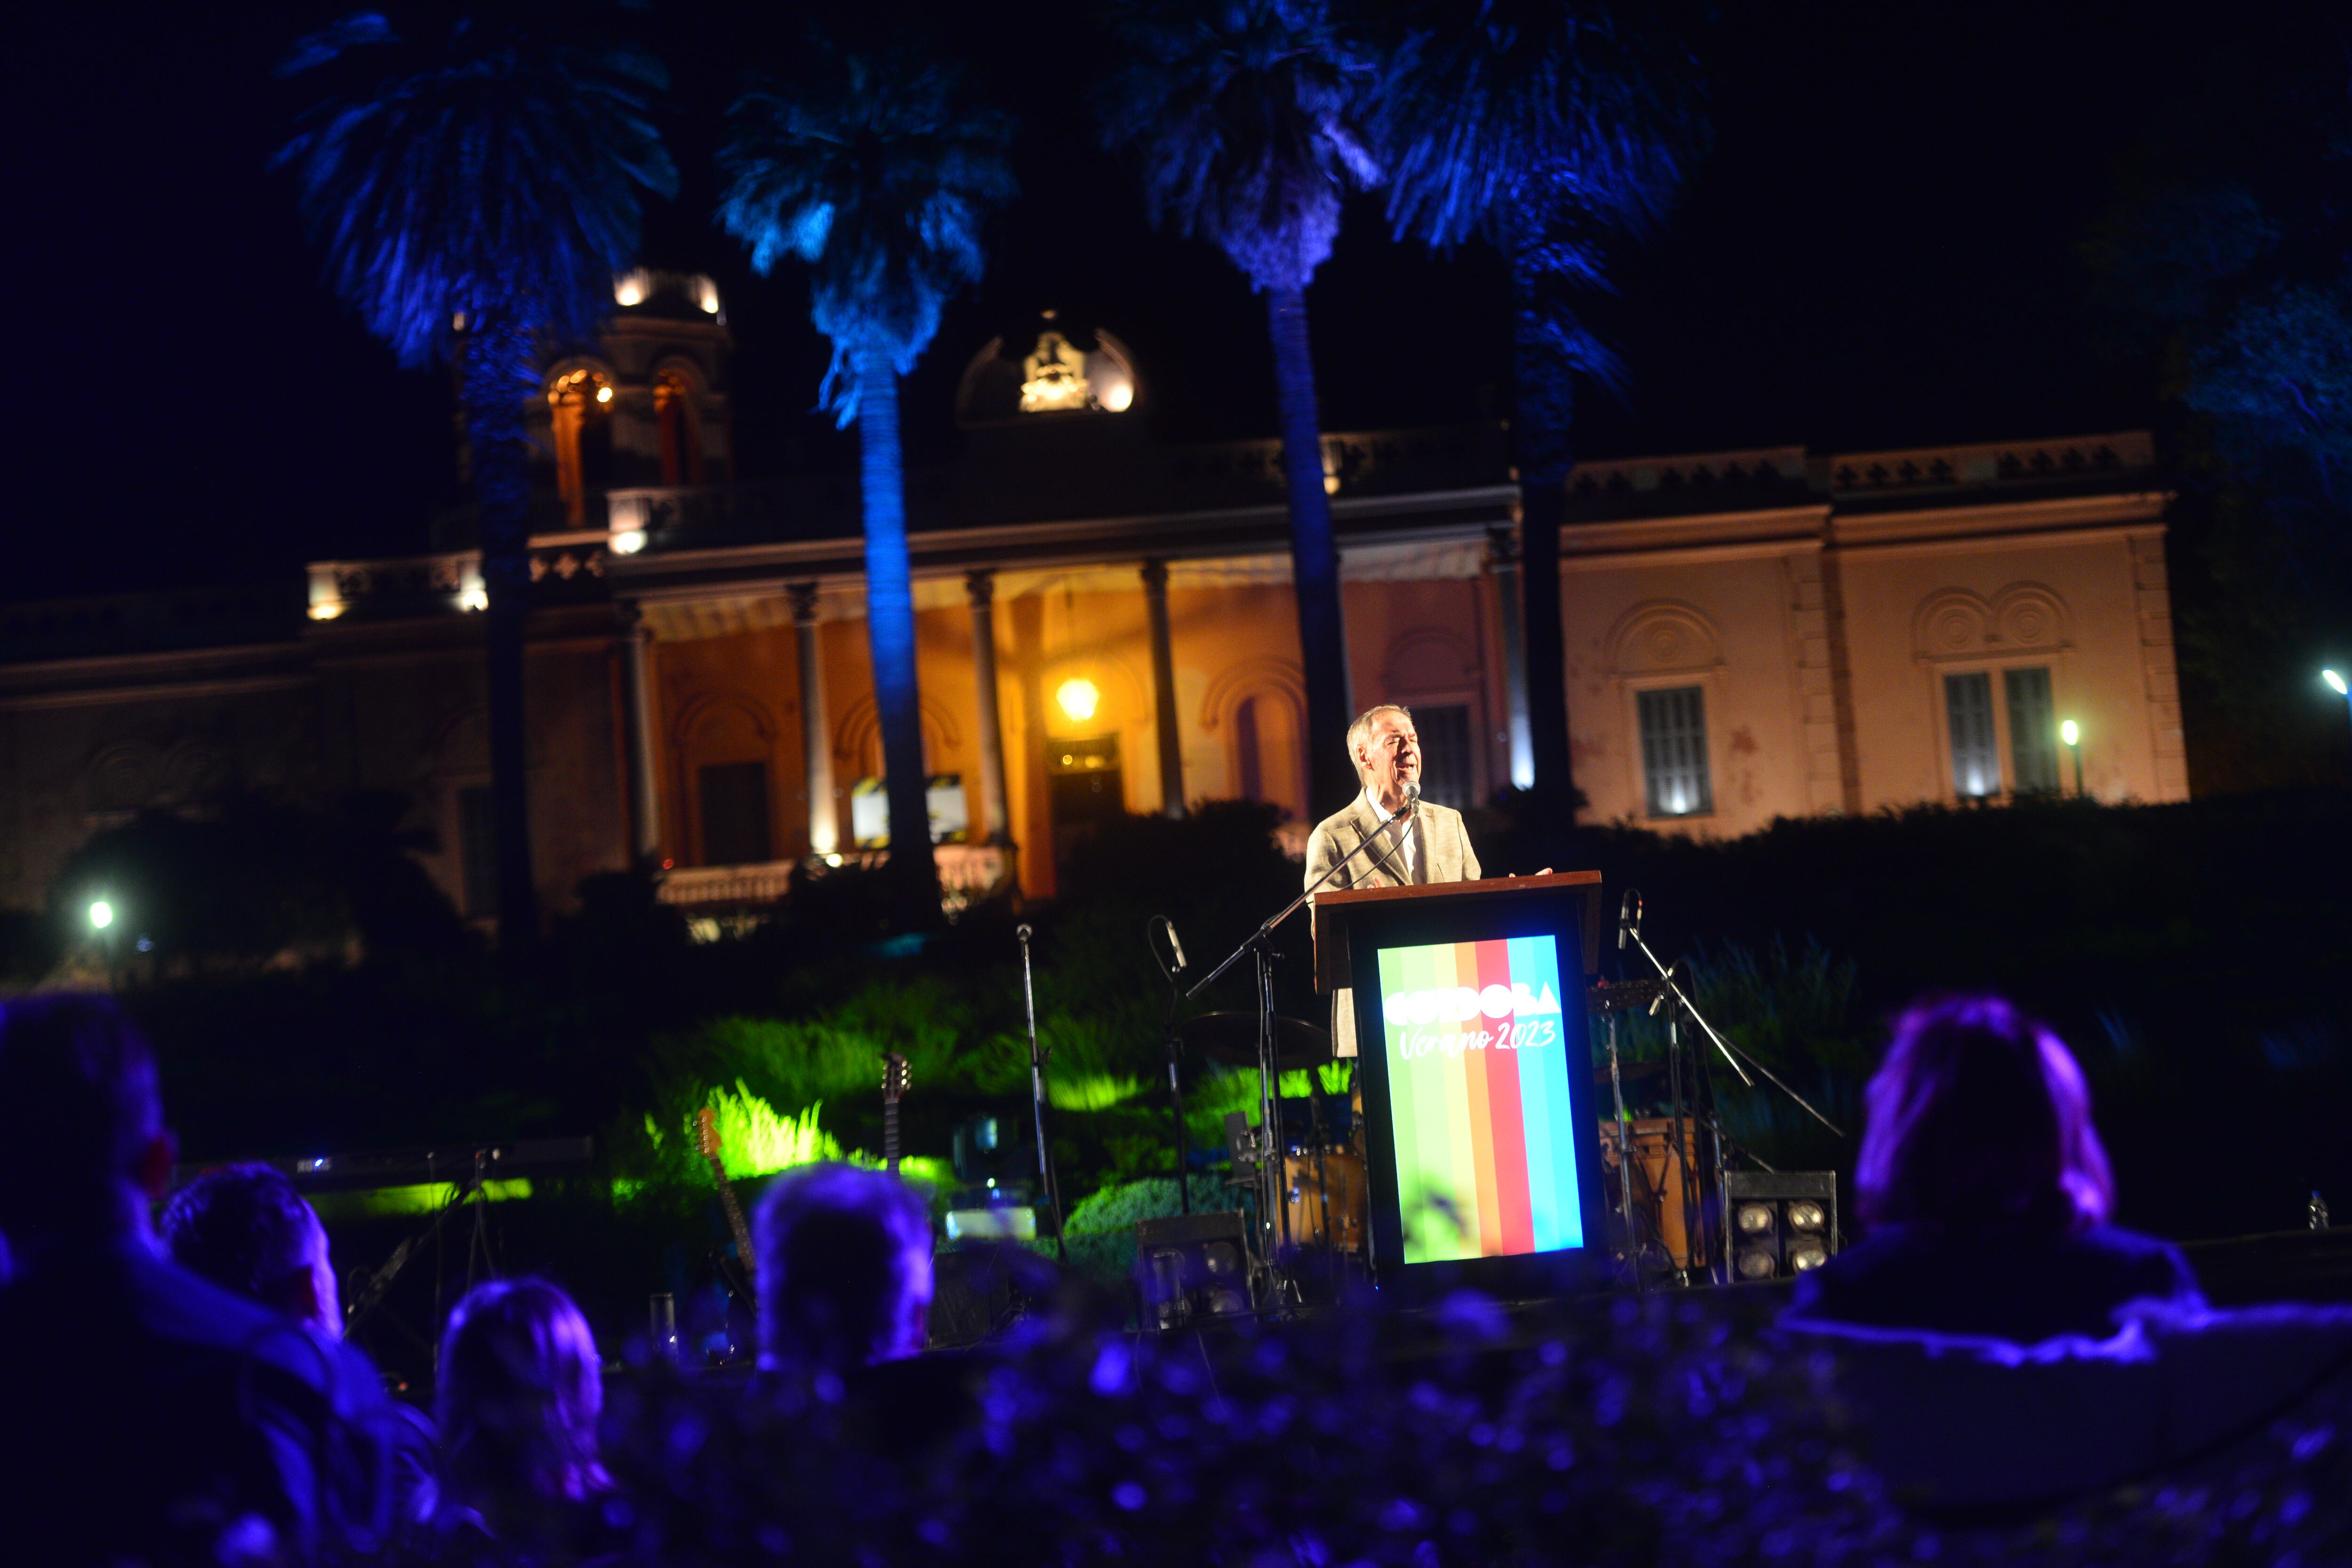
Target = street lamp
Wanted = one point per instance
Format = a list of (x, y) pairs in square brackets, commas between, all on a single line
[(2072, 733)]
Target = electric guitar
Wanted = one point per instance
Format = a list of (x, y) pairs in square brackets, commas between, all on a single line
[(706, 1139), (894, 1085)]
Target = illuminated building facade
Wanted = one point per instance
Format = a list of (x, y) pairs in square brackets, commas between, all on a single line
[(1104, 624)]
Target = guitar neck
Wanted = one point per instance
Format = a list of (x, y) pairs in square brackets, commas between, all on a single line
[(734, 1211), (891, 1135)]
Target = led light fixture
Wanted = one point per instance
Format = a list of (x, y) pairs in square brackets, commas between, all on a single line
[(1783, 1225)]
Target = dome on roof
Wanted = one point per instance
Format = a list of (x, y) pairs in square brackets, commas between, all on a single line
[(1047, 369)]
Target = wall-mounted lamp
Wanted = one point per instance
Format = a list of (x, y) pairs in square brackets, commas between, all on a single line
[(2072, 733), (1078, 698)]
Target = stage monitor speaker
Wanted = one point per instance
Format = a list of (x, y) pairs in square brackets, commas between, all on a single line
[(1191, 1267)]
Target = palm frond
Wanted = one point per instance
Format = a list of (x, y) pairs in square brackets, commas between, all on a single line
[(1499, 110), (878, 174), (1247, 120), (486, 170)]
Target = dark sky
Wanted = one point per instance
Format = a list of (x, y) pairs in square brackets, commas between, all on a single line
[(1880, 251)]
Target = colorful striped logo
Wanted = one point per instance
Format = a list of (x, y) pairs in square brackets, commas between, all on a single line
[(1478, 1066)]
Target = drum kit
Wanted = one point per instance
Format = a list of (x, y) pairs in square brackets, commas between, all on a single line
[(1319, 1192)]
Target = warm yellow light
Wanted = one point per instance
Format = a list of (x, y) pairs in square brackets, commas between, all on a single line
[(2336, 683), (630, 288), (101, 914), (603, 395), (2071, 732), (1330, 484), (1116, 396), (629, 541), (473, 599), (706, 294), (327, 609), (1080, 698)]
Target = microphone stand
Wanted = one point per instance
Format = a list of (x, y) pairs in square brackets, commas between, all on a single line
[(1037, 1095), (1168, 1042), (1259, 944), (1731, 1053)]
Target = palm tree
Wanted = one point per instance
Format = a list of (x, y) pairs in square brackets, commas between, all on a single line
[(477, 187), (876, 174), (1546, 127), (1245, 117)]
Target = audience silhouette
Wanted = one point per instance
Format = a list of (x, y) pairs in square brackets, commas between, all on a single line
[(520, 1395), (1984, 1191), (247, 1229), (150, 1415), (844, 1270)]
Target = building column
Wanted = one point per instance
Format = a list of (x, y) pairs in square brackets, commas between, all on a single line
[(1503, 561), (1164, 690), (638, 723), (816, 741), (994, 817)]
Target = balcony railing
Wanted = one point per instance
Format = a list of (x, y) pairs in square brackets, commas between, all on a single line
[(968, 873)]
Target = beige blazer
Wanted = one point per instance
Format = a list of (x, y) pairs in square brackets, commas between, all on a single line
[(1447, 857)]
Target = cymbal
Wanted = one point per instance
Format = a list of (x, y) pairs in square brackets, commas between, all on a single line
[(1232, 1038)]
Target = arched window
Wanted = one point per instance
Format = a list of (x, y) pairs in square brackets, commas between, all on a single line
[(681, 433), (581, 401)]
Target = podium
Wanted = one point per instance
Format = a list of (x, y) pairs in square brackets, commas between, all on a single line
[(1472, 1054)]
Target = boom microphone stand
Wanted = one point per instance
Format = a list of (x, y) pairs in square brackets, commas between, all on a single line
[(1259, 944), (1037, 1094), (1731, 1053)]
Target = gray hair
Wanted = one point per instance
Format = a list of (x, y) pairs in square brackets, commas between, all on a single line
[(1362, 727)]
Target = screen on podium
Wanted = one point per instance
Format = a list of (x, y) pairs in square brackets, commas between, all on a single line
[(1478, 1053)]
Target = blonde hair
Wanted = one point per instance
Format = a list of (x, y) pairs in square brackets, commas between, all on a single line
[(1363, 728)]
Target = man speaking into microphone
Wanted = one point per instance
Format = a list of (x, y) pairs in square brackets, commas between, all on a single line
[(1419, 840)]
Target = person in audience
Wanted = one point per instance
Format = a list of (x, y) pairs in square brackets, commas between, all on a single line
[(845, 1271), (246, 1229), (150, 1413), (1984, 1193), (520, 1394)]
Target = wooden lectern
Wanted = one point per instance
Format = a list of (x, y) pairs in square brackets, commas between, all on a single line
[(1473, 1056)]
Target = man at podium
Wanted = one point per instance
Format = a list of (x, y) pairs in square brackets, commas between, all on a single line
[(1428, 845)]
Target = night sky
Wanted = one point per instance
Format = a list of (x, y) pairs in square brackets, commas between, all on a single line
[(1880, 251)]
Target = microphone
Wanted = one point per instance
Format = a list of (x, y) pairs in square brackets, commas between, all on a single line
[(1411, 794), (1175, 944), (1629, 916)]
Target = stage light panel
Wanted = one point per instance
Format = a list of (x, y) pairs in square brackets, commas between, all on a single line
[(1786, 1222)]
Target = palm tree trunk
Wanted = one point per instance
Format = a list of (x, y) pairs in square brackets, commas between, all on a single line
[(1540, 425), (497, 379), (890, 636), (1313, 560)]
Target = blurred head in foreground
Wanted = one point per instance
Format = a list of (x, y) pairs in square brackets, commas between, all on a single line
[(520, 1392), (83, 1152), (1979, 1120), (845, 1269), (245, 1228)]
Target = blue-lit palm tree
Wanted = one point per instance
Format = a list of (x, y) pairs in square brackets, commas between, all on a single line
[(476, 185), (1246, 117), (1545, 127), (876, 172)]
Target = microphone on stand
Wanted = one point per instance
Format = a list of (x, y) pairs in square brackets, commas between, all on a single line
[(1175, 945), (1629, 917), (1412, 795)]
